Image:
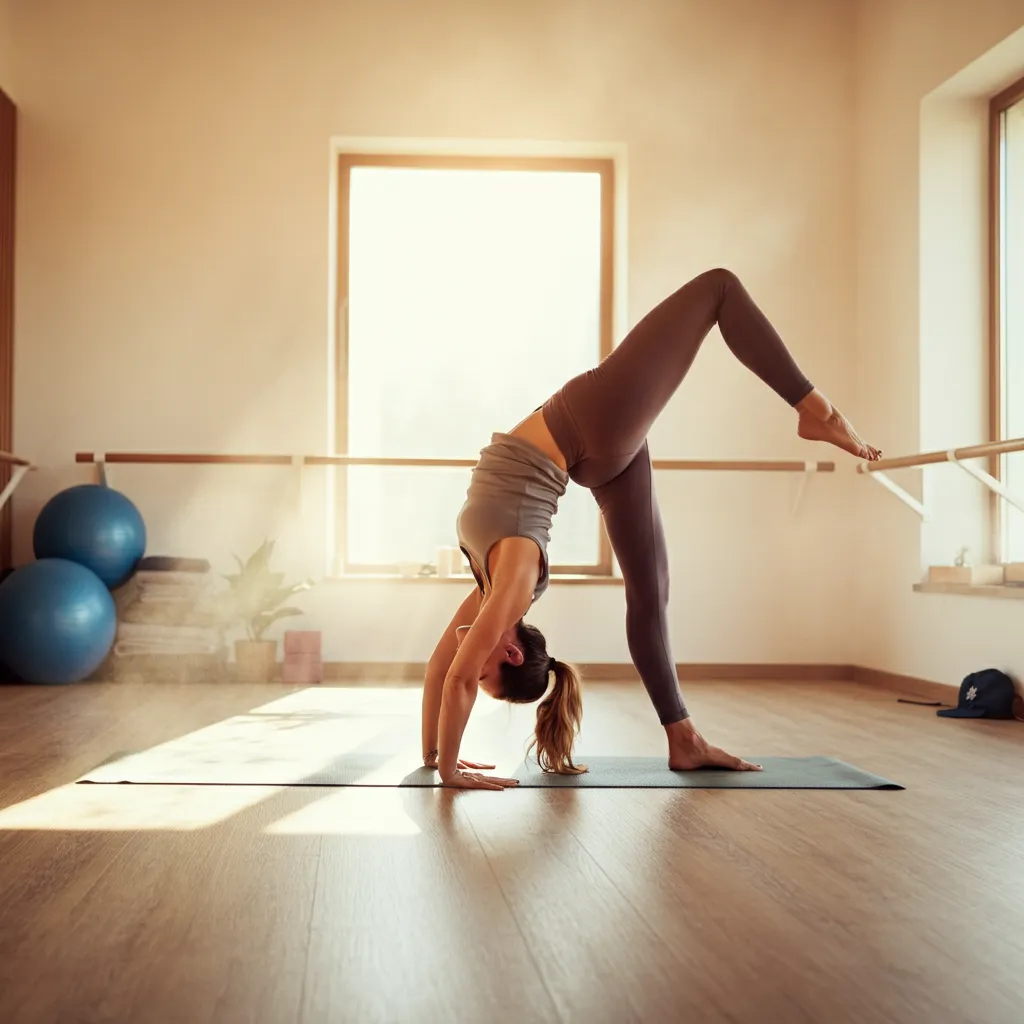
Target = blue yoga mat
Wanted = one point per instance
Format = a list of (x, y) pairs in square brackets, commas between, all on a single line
[(162, 767)]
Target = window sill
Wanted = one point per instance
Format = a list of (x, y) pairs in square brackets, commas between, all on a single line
[(1007, 591), (467, 579)]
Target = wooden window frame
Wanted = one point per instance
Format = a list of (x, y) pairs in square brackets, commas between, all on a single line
[(998, 106), (347, 161)]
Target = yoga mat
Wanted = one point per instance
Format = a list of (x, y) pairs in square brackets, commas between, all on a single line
[(163, 766), (653, 773)]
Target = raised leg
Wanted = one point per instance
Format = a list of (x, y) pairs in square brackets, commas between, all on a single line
[(600, 418), (613, 406)]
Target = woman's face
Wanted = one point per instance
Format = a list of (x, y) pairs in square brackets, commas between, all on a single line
[(506, 651)]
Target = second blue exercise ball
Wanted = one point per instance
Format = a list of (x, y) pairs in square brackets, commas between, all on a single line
[(95, 526), (57, 622)]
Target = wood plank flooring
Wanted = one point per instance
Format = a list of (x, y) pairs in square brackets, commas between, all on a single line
[(144, 905)]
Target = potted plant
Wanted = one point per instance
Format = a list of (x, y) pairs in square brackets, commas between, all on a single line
[(257, 599)]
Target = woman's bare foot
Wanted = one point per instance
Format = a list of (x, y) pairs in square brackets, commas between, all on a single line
[(688, 750), (820, 420)]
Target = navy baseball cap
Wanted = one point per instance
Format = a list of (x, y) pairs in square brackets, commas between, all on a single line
[(985, 694)]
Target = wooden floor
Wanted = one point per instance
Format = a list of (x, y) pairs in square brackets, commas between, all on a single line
[(236, 904)]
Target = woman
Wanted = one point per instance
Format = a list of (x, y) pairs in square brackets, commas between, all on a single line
[(593, 431)]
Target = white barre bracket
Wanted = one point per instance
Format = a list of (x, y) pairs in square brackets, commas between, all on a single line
[(989, 481), (298, 464), (801, 487), (984, 478), (16, 474), (904, 496)]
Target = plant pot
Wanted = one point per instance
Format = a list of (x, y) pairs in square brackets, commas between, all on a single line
[(255, 660)]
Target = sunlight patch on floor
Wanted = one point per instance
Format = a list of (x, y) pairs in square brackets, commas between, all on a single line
[(75, 808), (213, 773), (282, 742), (350, 812)]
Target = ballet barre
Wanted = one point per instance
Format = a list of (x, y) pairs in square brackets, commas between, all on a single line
[(878, 471), (104, 460), (201, 459), (19, 467)]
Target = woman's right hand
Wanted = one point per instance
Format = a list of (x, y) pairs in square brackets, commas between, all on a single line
[(474, 780)]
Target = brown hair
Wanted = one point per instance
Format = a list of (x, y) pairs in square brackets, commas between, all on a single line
[(559, 713)]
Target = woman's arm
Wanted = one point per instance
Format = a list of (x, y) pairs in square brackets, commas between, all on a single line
[(512, 589), (461, 684), (437, 668)]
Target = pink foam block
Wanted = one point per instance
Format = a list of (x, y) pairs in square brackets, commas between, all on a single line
[(302, 641), (302, 672)]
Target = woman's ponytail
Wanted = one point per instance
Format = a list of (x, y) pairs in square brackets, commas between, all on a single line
[(558, 721)]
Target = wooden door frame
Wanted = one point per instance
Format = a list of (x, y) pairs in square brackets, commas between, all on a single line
[(8, 163)]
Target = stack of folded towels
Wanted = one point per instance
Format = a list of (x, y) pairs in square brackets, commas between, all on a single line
[(167, 621)]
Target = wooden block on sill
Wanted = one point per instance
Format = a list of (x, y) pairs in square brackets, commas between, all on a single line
[(969, 575), (1014, 572)]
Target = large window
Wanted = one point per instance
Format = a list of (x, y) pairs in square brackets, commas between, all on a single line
[(1008, 303), (469, 290)]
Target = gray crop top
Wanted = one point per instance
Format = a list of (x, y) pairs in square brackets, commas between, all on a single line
[(513, 492)]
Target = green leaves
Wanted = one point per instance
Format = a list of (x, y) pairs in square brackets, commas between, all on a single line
[(256, 594), (259, 624)]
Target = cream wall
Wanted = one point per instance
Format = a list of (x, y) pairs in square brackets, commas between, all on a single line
[(923, 70), (173, 266)]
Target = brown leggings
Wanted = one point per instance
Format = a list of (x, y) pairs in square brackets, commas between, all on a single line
[(600, 421)]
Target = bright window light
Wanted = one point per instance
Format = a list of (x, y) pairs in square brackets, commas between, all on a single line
[(473, 295)]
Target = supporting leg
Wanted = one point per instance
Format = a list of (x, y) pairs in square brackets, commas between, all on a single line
[(630, 510)]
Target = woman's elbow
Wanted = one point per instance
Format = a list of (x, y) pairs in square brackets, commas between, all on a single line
[(465, 687), (458, 684)]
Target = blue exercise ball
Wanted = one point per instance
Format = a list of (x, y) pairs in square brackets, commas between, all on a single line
[(57, 622), (95, 526)]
